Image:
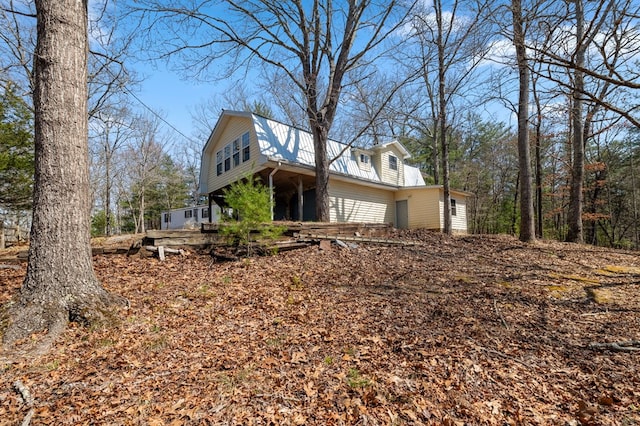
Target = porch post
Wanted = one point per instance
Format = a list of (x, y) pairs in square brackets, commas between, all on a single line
[(210, 200), (300, 200), (273, 172)]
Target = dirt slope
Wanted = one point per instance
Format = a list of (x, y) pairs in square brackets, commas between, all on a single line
[(463, 330)]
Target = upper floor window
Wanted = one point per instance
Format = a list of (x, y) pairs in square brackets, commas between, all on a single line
[(393, 162), (246, 151), (218, 163), (236, 152), (364, 158), (227, 158), (453, 207)]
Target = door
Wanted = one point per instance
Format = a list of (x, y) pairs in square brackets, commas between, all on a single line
[(402, 214)]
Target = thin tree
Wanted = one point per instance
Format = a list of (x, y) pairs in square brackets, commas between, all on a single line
[(452, 43), (316, 45), (60, 284), (111, 132), (144, 152), (527, 226), (594, 63)]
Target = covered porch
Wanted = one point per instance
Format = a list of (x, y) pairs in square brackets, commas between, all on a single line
[(293, 193)]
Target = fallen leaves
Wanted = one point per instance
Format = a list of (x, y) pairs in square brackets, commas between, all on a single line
[(465, 330)]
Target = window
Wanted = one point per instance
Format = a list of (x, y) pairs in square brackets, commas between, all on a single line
[(188, 214), (236, 153), (393, 162), (167, 217), (205, 213), (453, 207), (227, 158), (218, 163), (364, 158), (245, 147), (195, 214)]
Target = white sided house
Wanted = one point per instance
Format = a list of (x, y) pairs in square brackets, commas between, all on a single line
[(188, 217), (372, 185)]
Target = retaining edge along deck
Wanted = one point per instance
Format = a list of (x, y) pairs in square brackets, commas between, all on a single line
[(343, 228)]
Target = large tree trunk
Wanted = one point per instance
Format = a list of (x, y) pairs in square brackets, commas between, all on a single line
[(527, 226), (538, 162), (575, 232), (60, 284), (320, 137)]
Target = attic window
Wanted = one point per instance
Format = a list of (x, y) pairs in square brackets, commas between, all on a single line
[(364, 158), (393, 162)]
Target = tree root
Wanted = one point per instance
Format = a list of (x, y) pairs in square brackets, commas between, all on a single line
[(629, 346), (27, 398), (30, 329)]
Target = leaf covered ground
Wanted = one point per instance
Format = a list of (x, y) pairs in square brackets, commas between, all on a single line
[(455, 330)]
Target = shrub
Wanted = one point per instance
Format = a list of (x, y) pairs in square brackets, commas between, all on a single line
[(250, 202)]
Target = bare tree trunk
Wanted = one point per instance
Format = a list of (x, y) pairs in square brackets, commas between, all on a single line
[(575, 231), (107, 192), (538, 162), (634, 202), (527, 227), (142, 207), (444, 141), (322, 174), (60, 284)]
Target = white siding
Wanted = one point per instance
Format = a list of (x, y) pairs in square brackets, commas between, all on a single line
[(459, 221), (424, 207), (235, 128), (177, 219), (387, 175), (355, 203)]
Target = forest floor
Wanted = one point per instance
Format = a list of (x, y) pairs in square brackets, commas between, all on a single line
[(452, 331)]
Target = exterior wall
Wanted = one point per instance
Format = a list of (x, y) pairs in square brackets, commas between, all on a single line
[(175, 219), (350, 202), (234, 129), (459, 221), (424, 207), (381, 162)]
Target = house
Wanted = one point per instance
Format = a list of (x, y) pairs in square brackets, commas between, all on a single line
[(188, 217), (372, 185)]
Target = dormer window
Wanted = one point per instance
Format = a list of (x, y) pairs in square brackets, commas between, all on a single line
[(364, 160), (393, 162)]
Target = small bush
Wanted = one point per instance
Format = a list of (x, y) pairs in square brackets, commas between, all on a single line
[(251, 204)]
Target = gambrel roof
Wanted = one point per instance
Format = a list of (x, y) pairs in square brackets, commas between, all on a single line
[(281, 142)]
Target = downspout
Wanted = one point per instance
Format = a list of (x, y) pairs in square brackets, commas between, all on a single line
[(273, 172)]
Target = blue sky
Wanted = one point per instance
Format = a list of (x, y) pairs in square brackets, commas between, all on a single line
[(173, 97)]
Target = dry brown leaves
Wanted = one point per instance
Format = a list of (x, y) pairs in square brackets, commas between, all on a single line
[(464, 330)]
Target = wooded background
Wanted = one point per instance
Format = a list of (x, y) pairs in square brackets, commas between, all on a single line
[(442, 78)]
